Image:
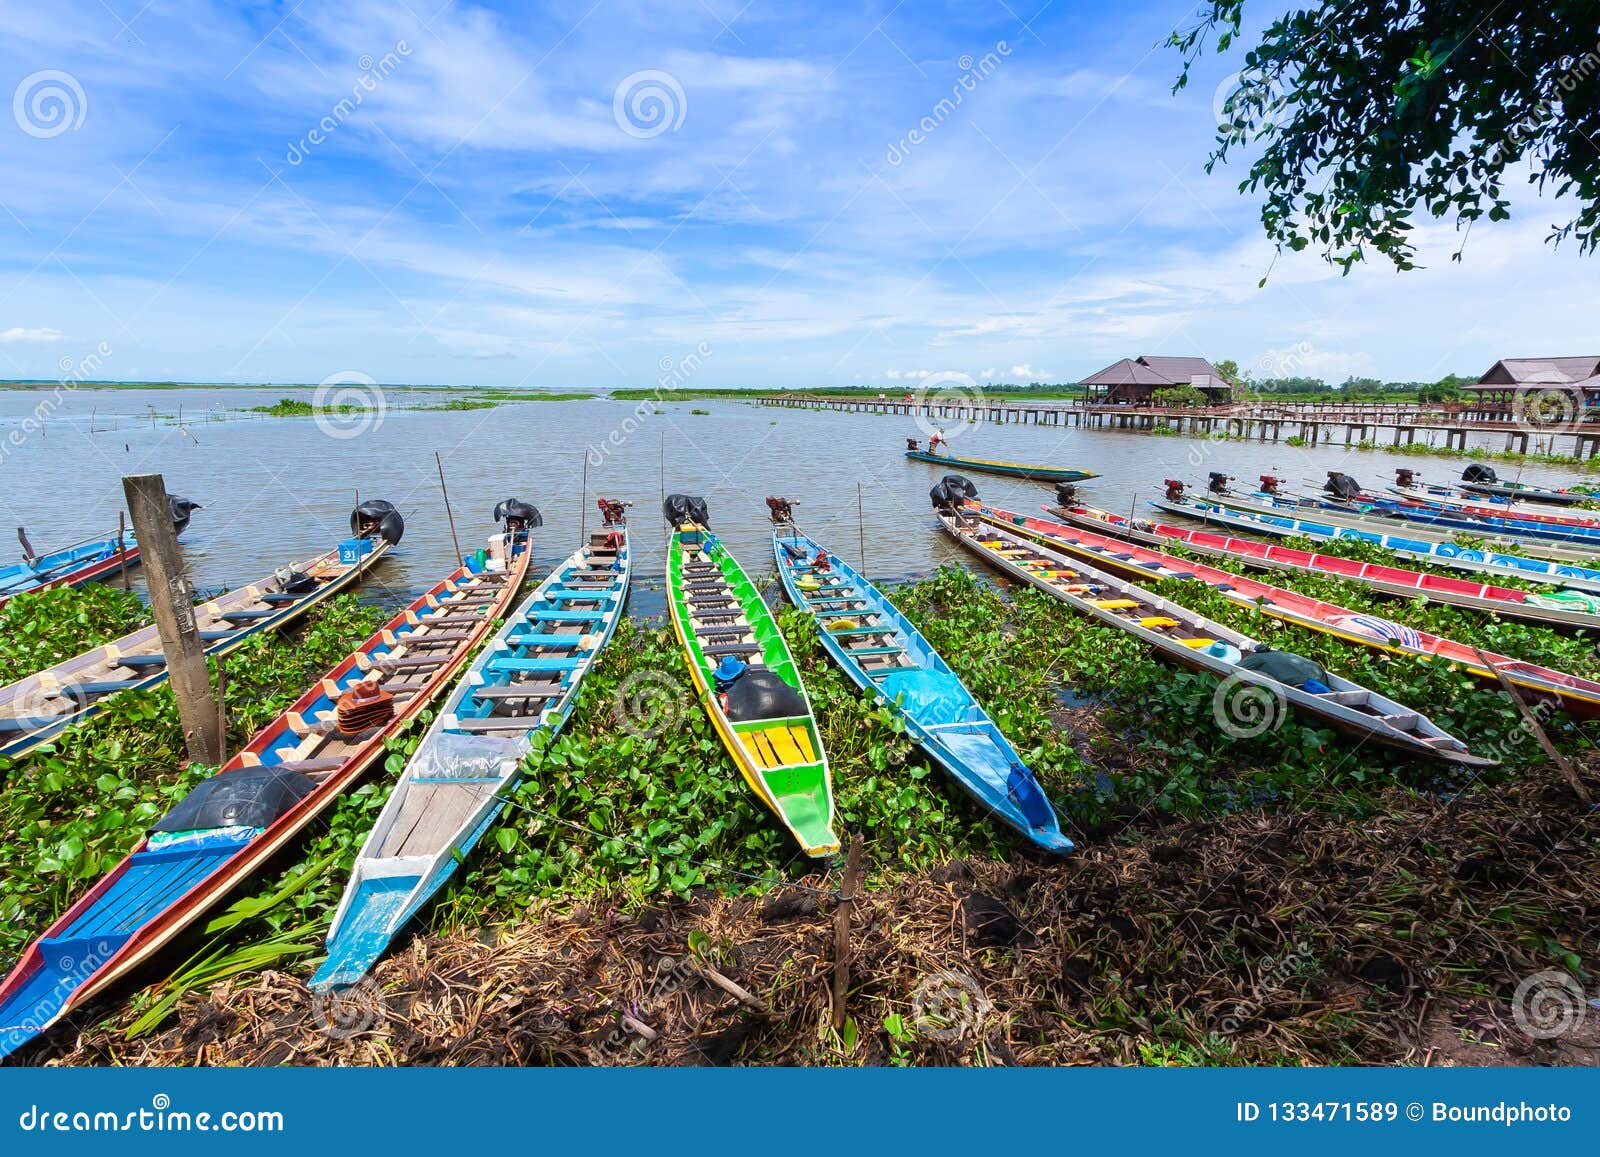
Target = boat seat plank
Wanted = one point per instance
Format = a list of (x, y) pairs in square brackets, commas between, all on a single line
[(732, 649), (518, 691), (498, 723)]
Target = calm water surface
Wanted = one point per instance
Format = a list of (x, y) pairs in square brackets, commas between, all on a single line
[(280, 489)]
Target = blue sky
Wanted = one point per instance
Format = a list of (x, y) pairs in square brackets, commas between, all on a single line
[(482, 209)]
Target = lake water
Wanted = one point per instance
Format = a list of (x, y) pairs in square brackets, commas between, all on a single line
[(280, 489)]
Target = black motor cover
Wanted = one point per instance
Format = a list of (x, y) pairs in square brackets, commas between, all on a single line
[(951, 492), (180, 508), (1341, 485), (1480, 473), (760, 694), (1066, 494), (251, 799), (681, 508), (525, 512), (390, 525), (294, 582)]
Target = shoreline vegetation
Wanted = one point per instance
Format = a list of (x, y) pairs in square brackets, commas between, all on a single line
[(1284, 898)]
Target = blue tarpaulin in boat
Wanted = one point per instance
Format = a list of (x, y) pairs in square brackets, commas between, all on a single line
[(929, 697)]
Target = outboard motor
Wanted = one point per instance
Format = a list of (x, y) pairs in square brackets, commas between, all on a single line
[(1270, 484), (1217, 482), (951, 492), (681, 508), (376, 518), (294, 582), (1341, 486), (1481, 474), (181, 509), (1405, 478), (614, 512), (1174, 490), (518, 515), (913, 444), (1066, 494), (781, 511)]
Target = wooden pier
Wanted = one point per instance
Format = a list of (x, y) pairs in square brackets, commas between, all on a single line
[(1309, 423)]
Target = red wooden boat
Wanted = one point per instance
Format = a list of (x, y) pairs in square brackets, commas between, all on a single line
[(1578, 696), (233, 823), (1556, 608)]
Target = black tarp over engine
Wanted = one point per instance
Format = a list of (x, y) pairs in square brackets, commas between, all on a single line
[(1341, 485), (377, 518), (181, 509), (681, 508), (1481, 474), (524, 515), (237, 799), (951, 492), (761, 694)]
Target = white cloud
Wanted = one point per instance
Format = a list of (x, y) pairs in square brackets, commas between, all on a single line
[(1025, 371), (988, 375), (18, 333)]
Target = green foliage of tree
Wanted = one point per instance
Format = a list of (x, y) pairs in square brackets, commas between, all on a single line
[(1178, 396), (1359, 112)]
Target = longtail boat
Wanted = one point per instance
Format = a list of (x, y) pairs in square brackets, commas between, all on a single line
[(1479, 478), (1194, 641), (229, 826), (1574, 532), (1005, 469), (746, 679), (1468, 508), (1580, 697), (1380, 523), (1408, 484), (883, 653), (92, 560), (455, 786), (1433, 550), (1555, 607), (34, 710)]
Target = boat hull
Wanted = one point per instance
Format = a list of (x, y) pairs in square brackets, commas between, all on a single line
[(962, 738), (156, 893), (780, 758), (461, 777), (1578, 696), (1004, 469)]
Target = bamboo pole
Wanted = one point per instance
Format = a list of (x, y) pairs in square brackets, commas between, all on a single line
[(861, 531), (122, 546), (174, 614), (451, 517), (583, 501)]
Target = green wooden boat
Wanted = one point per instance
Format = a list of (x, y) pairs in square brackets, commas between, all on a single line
[(746, 679), (1007, 469)]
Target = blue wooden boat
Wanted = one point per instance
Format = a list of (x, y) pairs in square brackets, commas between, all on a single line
[(883, 653), (1006, 469), (1440, 552), (83, 562), (35, 710), (462, 774), (231, 824), (1573, 534)]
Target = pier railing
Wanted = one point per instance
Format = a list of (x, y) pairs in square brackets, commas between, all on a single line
[(1444, 424)]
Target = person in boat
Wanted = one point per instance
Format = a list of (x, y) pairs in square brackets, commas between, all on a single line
[(937, 440)]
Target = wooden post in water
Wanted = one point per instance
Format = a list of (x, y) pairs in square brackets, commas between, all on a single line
[(456, 542), (174, 614), (122, 547), (861, 531), (583, 502), (848, 889)]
